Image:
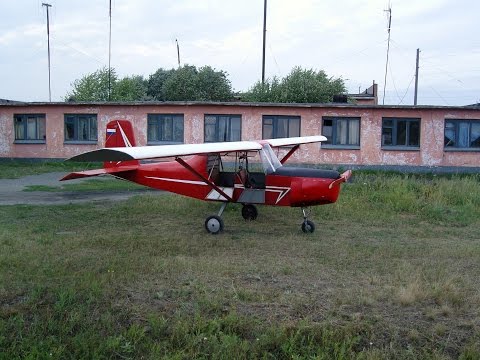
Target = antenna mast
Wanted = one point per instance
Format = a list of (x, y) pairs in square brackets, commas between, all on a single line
[(264, 37), (178, 52), (110, 52), (388, 49), (48, 42)]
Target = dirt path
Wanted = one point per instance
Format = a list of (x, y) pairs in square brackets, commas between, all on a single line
[(11, 191)]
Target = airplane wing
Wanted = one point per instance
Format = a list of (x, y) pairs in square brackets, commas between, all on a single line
[(154, 152), (295, 140)]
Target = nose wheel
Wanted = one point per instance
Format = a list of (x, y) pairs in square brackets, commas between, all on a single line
[(307, 225)]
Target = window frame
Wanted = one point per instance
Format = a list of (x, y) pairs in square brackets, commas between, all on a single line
[(76, 121), (159, 118), (334, 120), (24, 118), (394, 127), (217, 123), (274, 125), (457, 122)]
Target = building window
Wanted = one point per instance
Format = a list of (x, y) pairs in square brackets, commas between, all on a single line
[(29, 128), (165, 129), (279, 126), (223, 128), (401, 132), (462, 134), (81, 128), (341, 131)]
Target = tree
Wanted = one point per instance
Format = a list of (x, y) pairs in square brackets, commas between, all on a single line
[(300, 86), (92, 87), (155, 83), (189, 84), (184, 84), (133, 88), (213, 85)]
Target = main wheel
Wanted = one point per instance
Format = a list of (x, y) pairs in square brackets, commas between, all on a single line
[(308, 226), (249, 212), (214, 224)]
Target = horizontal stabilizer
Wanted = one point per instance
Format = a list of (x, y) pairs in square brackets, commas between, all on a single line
[(97, 172)]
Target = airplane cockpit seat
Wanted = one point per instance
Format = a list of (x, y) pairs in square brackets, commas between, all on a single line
[(243, 176)]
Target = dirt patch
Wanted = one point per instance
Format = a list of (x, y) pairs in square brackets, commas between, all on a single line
[(11, 192)]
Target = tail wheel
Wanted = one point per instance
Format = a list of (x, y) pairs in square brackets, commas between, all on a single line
[(214, 224), (249, 212), (308, 226)]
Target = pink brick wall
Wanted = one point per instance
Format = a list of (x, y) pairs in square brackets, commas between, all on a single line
[(431, 152)]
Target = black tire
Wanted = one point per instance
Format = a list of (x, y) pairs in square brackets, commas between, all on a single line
[(308, 226), (214, 224), (249, 212)]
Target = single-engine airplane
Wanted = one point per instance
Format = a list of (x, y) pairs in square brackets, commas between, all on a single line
[(198, 172)]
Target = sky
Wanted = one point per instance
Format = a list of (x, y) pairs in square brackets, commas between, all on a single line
[(345, 38)]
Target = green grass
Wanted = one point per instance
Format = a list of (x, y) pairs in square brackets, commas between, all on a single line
[(392, 271), (14, 169)]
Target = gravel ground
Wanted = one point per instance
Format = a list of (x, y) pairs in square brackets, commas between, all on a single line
[(11, 191)]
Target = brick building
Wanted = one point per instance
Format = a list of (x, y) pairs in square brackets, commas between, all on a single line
[(358, 135)]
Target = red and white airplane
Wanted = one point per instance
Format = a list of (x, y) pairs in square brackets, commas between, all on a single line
[(198, 172)]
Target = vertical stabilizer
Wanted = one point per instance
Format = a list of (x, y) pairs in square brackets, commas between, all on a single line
[(119, 133)]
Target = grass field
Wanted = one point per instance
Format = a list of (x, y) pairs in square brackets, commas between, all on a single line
[(14, 169), (392, 271)]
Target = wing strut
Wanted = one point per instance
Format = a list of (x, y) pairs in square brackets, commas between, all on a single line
[(290, 153), (204, 179)]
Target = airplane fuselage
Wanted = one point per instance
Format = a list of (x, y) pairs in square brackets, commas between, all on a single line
[(288, 186)]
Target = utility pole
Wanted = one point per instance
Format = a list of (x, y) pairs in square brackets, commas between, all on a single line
[(48, 42), (264, 37), (110, 52), (178, 53), (388, 50), (416, 78)]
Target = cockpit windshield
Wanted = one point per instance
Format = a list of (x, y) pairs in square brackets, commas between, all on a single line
[(270, 161)]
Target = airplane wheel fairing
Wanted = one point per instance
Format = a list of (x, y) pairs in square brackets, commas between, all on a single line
[(249, 212), (308, 226), (214, 224)]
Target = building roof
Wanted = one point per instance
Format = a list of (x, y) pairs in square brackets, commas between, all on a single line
[(232, 103), (10, 102)]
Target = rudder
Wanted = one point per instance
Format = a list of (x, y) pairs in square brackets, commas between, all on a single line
[(119, 133)]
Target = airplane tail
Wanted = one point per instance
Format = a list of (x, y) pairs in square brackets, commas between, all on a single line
[(119, 133)]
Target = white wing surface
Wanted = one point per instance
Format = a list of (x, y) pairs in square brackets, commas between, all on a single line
[(295, 140), (154, 152)]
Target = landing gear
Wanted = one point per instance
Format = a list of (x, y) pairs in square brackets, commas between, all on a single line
[(249, 212), (307, 225), (214, 223)]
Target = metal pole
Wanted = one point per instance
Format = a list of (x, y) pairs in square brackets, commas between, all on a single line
[(178, 52), (264, 37), (416, 78), (48, 44), (110, 53), (388, 50)]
